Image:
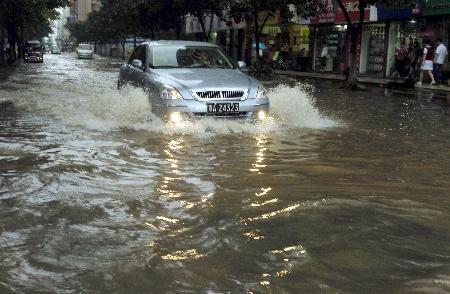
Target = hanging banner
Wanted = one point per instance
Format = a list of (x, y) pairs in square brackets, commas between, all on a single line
[(352, 7)]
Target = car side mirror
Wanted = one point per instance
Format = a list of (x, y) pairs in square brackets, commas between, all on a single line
[(241, 64), (136, 63)]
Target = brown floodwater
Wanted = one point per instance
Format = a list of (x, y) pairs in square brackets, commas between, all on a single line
[(337, 192)]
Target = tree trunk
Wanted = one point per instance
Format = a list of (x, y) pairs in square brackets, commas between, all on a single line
[(12, 42), (124, 53), (352, 80), (21, 41), (355, 31), (202, 24), (258, 60)]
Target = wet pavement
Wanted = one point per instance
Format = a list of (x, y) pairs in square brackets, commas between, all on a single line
[(338, 192)]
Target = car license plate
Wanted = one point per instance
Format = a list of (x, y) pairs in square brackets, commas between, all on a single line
[(222, 108)]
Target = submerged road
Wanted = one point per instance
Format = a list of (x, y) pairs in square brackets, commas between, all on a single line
[(336, 192)]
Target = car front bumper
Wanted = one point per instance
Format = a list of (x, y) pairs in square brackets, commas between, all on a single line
[(248, 109), (85, 56)]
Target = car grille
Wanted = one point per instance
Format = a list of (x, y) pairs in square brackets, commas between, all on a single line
[(223, 94)]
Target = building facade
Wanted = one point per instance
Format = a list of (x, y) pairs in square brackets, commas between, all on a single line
[(387, 37), (81, 8)]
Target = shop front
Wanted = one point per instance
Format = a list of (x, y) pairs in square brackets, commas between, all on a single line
[(438, 11), (327, 39), (404, 26), (361, 58), (373, 48)]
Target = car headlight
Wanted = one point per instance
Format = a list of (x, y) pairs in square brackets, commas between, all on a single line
[(169, 92), (261, 93)]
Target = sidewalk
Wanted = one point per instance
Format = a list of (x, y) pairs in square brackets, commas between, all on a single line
[(361, 79)]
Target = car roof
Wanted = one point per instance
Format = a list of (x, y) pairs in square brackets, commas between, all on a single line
[(179, 43)]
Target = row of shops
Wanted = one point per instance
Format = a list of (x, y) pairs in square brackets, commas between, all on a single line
[(386, 30)]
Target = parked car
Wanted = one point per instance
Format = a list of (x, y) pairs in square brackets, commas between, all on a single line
[(56, 49), (85, 51), (187, 79), (33, 52)]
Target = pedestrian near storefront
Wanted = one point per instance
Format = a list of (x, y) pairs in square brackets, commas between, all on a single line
[(415, 54), (439, 59), (427, 62), (324, 57)]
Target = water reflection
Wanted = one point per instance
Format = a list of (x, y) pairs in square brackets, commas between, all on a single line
[(261, 143)]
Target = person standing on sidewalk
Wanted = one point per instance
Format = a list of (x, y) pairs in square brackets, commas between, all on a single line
[(427, 62), (439, 59)]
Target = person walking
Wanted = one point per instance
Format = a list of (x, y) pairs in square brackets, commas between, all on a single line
[(415, 54), (427, 62), (439, 59)]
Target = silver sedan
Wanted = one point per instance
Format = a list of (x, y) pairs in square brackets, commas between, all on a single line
[(193, 79)]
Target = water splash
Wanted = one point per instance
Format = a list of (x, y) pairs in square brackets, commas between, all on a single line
[(291, 108)]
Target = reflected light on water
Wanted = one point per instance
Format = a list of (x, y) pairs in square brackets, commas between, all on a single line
[(264, 191), (255, 235), (274, 213), (183, 255), (173, 221), (259, 204), (261, 142)]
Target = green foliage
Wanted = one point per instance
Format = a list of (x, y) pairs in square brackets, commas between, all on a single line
[(30, 18)]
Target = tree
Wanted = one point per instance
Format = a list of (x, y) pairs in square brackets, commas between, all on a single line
[(206, 10), (258, 12), (25, 19), (354, 31)]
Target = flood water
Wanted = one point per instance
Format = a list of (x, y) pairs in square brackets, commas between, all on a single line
[(337, 192)]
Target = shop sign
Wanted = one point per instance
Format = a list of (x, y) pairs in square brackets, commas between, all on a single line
[(327, 16), (352, 7), (271, 30), (400, 9), (436, 7)]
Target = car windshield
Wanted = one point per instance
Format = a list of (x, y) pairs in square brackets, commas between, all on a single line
[(85, 47), (32, 48), (189, 57)]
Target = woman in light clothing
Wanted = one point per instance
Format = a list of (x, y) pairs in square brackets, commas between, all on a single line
[(427, 62)]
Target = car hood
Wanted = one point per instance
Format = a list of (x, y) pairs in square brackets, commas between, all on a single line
[(206, 78)]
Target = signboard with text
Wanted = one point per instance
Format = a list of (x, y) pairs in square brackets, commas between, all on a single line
[(436, 7), (352, 7), (400, 9)]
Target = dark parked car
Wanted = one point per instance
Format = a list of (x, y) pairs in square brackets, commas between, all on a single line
[(33, 52)]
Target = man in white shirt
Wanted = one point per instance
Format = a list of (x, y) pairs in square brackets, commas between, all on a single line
[(439, 59)]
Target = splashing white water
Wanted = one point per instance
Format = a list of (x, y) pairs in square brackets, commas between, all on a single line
[(87, 98), (290, 108)]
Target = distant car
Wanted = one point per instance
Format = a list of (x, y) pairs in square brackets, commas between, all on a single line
[(56, 49), (193, 79), (33, 52), (85, 51)]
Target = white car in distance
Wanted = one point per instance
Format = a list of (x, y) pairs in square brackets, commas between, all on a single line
[(85, 51)]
